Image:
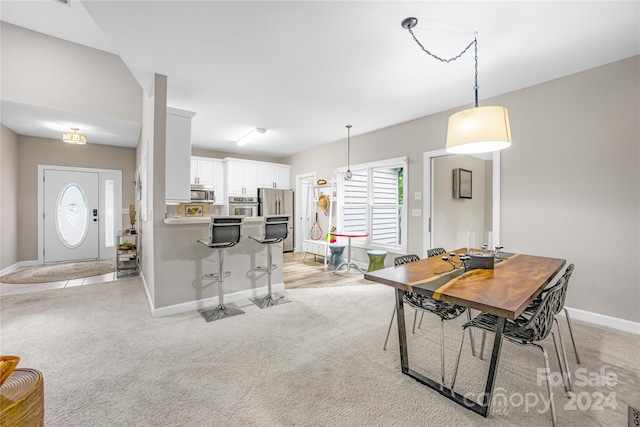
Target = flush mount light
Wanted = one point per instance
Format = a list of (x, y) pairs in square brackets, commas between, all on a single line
[(478, 129), (251, 136), (74, 137)]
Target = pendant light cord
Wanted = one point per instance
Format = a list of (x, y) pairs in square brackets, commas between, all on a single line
[(348, 146), (474, 43)]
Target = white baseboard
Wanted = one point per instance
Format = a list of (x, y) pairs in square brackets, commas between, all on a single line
[(207, 302), (604, 320), (17, 265), (585, 316)]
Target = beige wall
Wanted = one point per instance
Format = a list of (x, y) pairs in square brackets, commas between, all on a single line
[(221, 155), (53, 73), (452, 218), (8, 201), (41, 151), (570, 184)]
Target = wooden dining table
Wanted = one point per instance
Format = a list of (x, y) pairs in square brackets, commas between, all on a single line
[(505, 291)]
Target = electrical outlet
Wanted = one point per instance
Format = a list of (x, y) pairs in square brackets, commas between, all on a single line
[(417, 195), (416, 212)]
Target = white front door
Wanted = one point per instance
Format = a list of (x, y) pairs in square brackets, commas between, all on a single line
[(70, 215)]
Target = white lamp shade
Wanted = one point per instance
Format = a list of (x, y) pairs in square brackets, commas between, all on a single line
[(478, 130)]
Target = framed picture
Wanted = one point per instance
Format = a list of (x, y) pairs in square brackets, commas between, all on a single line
[(462, 183), (193, 210)]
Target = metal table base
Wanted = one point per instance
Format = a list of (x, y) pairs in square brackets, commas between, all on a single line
[(479, 408)]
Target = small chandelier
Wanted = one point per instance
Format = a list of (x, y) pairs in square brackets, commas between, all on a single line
[(478, 129), (74, 137), (348, 175)]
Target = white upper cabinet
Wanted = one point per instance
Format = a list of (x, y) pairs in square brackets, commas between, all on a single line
[(241, 178), (271, 175), (178, 155), (202, 171), (209, 172)]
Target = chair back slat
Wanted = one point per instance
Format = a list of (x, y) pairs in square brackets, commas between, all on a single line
[(405, 259), (541, 321), (435, 252)]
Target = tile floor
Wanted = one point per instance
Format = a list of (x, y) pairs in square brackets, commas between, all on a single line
[(13, 289)]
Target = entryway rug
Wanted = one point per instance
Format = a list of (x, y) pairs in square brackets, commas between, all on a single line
[(60, 271)]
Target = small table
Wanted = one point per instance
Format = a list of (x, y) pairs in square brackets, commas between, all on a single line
[(504, 291), (349, 263), (22, 399)]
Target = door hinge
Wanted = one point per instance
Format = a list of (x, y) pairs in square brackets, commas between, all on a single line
[(429, 225)]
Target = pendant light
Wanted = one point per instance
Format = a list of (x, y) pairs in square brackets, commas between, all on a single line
[(348, 175), (478, 129), (74, 137)]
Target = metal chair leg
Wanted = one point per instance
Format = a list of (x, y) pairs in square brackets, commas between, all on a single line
[(566, 373), (389, 330), (547, 373), (455, 369), (415, 317), (472, 340), (442, 350), (575, 350), (484, 337), (421, 317)]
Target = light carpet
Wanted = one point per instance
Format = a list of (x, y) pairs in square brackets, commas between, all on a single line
[(60, 271), (317, 361)]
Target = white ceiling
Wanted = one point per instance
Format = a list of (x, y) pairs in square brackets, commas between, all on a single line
[(305, 69)]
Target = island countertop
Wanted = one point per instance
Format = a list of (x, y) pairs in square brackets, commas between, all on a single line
[(181, 220)]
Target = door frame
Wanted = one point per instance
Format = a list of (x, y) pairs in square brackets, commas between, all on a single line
[(427, 200), (301, 223), (103, 174)]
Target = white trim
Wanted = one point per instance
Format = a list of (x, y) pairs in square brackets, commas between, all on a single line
[(209, 302), (17, 265), (299, 220), (113, 173), (385, 163), (427, 202), (604, 320)]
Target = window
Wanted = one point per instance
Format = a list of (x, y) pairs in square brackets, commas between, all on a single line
[(373, 202)]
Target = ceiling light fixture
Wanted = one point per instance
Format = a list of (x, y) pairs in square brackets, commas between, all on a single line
[(348, 175), (478, 129), (251, 136), (74, 137)]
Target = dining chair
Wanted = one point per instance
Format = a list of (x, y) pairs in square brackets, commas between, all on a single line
[(531, 309), (556, 310), (524, 330), (444, 310)]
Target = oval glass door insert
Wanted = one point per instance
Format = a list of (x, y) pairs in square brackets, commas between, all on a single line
[(72, 220)]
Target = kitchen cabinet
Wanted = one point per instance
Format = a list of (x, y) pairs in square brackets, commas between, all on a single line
[(202, 171), (178, 155), (241, 178), (127, 254), (209, 172), (273, 176)]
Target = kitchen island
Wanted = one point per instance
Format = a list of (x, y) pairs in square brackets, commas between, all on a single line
[(186, 261)]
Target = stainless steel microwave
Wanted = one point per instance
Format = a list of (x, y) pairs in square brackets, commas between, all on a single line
[(202, 193)]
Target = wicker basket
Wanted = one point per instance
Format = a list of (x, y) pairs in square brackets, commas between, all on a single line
[(22, 399)]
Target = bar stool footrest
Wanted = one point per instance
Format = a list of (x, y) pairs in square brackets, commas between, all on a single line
[(269, 300), (265, 268), (220, 312)]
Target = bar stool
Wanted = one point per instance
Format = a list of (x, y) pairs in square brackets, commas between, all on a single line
[(274, 230), (224, 232)]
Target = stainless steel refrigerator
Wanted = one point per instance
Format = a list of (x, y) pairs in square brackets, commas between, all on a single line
[(278, 202)]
